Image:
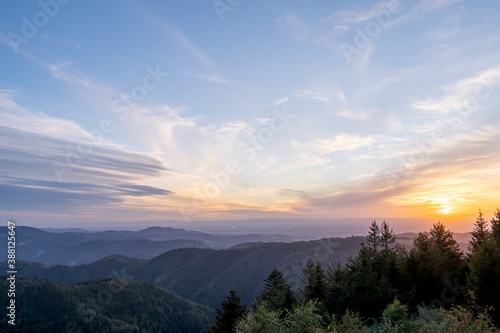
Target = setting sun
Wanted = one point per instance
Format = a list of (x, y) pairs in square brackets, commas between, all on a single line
[(446, 210)]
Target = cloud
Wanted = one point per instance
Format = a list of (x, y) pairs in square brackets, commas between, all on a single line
[(15, 116), (335, 102), (343, 141), (209, 77), (33, 195), (213, 74), (352, 114), (30, 153), (462, 94), (297, 27), (63, 71)]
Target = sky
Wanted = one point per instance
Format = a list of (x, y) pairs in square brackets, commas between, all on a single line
[(115, 111)]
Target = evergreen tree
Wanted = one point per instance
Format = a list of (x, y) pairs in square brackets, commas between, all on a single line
[(479, 233), (227, 318), (387, 236), (367, 290), (373, 239), (277, 293), (434, 263), (484, 275), (315, 281), (495, 225), (335, 285)]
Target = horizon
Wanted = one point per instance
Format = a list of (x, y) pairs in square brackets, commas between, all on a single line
[(298, 228), (192, 113)]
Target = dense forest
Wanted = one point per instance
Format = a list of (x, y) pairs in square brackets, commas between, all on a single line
[(433, 287), (108, 305)]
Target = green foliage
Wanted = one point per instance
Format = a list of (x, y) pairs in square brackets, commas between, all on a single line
[(261, 320), (395, 318), (304, 319), (232, 311), (350, 322), (462, 320)]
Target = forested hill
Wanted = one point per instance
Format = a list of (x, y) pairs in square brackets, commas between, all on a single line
[(205, 275), (108, 305)]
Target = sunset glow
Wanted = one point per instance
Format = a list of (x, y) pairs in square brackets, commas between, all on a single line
[(228, 120)]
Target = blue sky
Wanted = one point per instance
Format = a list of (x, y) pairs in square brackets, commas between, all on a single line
[(194, 110)]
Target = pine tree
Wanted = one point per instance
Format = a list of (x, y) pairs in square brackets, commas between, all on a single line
[(227, 318), (315, 280), (387, 236), (277, 292), (335, 285), (495, 225), (480, 232), (373, 239), (435, 263)]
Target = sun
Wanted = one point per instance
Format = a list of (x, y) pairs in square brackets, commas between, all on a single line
[(446, 210)]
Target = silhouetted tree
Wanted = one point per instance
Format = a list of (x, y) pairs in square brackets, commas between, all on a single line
[(495, 225), (227, 318), (373, 239), (479, 233), (434, 263), (387, 236)]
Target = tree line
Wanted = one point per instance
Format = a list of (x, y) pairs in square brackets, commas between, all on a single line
[(433, 287)]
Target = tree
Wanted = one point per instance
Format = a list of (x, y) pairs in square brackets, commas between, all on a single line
[(227, 318), (335, 285), (367, 290), (495, 225), (479, 233), (484, 275), (277, 293), (373, 239), (435, 263), (387, 236), (315, 280)]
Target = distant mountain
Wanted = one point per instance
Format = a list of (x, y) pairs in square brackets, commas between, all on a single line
[(76, 248), (108, 305), (206, 275)]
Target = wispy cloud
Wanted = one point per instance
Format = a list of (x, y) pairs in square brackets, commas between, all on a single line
[(458, 95), (343, 141), (212, 73), (297, 28)]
